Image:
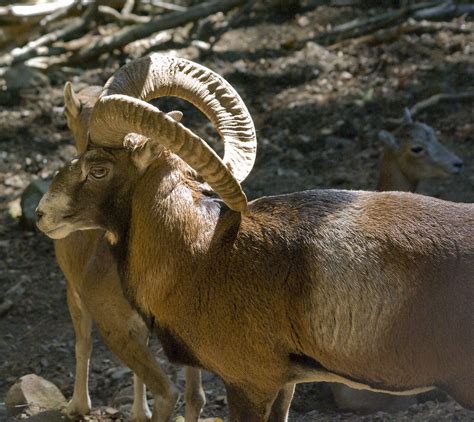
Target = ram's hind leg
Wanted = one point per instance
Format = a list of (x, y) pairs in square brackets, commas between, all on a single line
[(462, 390), (194, 395), (248, 405), (80, 403), (281, 405)]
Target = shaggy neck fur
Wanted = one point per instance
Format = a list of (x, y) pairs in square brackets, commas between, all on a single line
[(180, 226)]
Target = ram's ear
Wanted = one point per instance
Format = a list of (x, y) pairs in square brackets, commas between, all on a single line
[(407, 118), (72, 104), (389, 140), (143, 152)]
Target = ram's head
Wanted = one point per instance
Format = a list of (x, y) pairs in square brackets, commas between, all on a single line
[(127, 135)]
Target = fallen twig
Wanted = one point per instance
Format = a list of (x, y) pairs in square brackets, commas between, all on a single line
[(444, 11), (166, 5), (395, 32), (123, 18), (74, 7), (134, 32), (29, 50), (129, 6), (438, 98), (359, 27), (432, 101), (18, 12)]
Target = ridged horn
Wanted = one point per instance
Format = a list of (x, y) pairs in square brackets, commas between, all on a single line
[(125, 114), (156, 76)]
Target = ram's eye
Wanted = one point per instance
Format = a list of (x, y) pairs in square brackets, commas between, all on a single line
[(98, 172), (417, 150)]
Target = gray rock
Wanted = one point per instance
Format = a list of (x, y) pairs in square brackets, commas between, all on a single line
[(124, 396), (119, 373), (17, 78), (29, 201), (34, 394)]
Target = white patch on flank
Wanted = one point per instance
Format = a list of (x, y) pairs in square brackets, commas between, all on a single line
[(111, 238), (320, 376)]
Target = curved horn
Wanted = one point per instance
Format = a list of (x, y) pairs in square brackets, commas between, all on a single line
[(156, 76), (125, 114)]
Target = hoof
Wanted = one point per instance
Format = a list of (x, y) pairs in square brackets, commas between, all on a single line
[(77, 408), (140, 416), (140, 412), (164, 406)]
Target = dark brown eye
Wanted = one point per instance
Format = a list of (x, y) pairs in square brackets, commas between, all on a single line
[(417, 150), (98, 172)]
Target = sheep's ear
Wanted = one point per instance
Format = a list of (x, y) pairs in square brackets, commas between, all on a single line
[(407, 118), (142, 151), (176, 115), (72, 104), (388, 140)]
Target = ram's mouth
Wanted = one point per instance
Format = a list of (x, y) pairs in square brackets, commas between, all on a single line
[(449, 171), (57, 232)]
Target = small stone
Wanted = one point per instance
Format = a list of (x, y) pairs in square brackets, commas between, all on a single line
[(14, 181), (120, 373), (111, 411), (346, 75), (303, 21), (221, 399), (34, 393)]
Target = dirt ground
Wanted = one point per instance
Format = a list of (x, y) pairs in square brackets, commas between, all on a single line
[(317, 112)]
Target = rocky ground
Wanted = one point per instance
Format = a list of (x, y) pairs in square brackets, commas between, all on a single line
[(317, 112)]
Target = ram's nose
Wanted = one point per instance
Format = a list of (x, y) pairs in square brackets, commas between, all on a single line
[(39, 213), (458, 167)]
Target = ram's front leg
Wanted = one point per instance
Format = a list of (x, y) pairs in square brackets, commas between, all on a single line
[(80, 403), (126, 335), (281, 405), (140, 410)]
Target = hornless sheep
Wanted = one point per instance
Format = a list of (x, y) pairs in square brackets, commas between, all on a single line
[(411, 154), (94, 293), (370, 289)]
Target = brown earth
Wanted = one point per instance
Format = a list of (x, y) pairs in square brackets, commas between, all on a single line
[(317, 113)]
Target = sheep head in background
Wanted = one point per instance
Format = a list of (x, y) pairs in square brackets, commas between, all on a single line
[(412, 153)]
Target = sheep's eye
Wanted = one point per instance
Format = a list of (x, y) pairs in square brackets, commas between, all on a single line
[(98, 172), (417, 150)]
